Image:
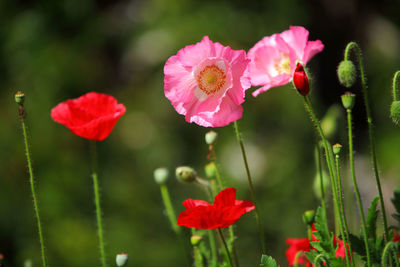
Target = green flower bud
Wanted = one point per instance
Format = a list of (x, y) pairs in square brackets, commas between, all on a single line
[(336, 149), (348, 100), (28, 263), (308, 217), (211, 137), (186, 174), (19, 98), (122, 259), (347, 73), (161, 175), (395, 112), (317, 184), (195, 240), (330, 121), (210, 170)]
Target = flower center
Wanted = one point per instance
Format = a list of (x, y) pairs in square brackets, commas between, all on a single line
[(211, 79), (282, 64)]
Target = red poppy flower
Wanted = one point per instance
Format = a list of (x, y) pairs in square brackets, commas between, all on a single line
[(91, 116), (224, 212), (340, 251), (300, 80), (396, 238), (297, 245)]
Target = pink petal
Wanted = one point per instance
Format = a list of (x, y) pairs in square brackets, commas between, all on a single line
[(296, 37), (312, 48)]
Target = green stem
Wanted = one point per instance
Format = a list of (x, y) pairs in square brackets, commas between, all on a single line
[(198, 258), (221, 235), (356, 192), (213, 248), (33, 190), (97, 203), (390, 248), (396, 79), (296, 258), (169, 208), (345, 229), (253, 197), (354, 46), (319, 169), (327, 147)]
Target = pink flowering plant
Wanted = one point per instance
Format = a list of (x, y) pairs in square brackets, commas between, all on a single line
[(206, 82)]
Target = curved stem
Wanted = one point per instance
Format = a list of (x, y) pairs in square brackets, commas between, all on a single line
[(221, 235), (319, 169), (169, 208), (213, 248), (356, 192), (33, 190), (97, 203), (390, 248), (354, 46), (253, 197), (322, 260), (345, 229), (396, 79)]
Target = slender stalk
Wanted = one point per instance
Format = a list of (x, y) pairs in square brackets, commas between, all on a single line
[(396, 78), (356, 192), (221, 235), (213, 248), (354, 46), (97, 203), (169, 208), (32, 183), (390, 248), (198, 258), (327, 148), (319, 169), (345, 229), (253, 197)]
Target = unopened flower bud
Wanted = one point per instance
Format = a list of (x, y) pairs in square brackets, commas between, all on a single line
[(161, 175), (186, 174), (28, 263), (19, 98), (122, 259), (395, 112), (195, 240), (330, 121), (211, 137), (308, 217), (348, 100), (336, 149), (210, 170), (347, 73), (300, 80)]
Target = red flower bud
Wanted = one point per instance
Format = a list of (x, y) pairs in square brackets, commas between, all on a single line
[(300, 80)]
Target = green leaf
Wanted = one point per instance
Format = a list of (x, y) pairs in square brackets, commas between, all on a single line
[(357, 244), (322, 233), (268, 261), (371, 219)]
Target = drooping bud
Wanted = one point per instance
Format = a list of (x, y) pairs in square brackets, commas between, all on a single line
[(122, 259), (19, 98), (161, 175), (300, 80), (348, 100), (308, 217), (336, 149), (211, 137), (186, 174), (195, 240), (347, 73), (210, 170), (395, 112)]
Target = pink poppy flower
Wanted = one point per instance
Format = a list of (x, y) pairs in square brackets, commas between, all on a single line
[(91, 116), (273, 59), (206, 83)]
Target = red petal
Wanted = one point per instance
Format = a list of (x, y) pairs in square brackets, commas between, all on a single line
[(225, 198), (192, 203), (300, 80)]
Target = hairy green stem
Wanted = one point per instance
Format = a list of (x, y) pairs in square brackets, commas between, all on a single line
[(354, 46), (97, 203), (317, 156), (213, 248), (32, 183), (253, 196), (396, 79), (221, 235), (390, 248), (345, 229), (169, 208), (356, 191)]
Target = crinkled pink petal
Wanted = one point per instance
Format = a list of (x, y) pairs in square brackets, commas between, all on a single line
[(312, 48), (191, 55), (296, 37), (277, 81)]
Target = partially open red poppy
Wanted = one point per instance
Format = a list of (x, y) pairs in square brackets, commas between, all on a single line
[(224, 212), (91, 116), (300, 80), (297, 245)]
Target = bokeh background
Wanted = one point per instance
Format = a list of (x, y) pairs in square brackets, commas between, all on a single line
[(56, 50)]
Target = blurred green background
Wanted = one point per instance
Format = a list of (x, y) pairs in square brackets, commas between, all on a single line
[(56, 50)]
